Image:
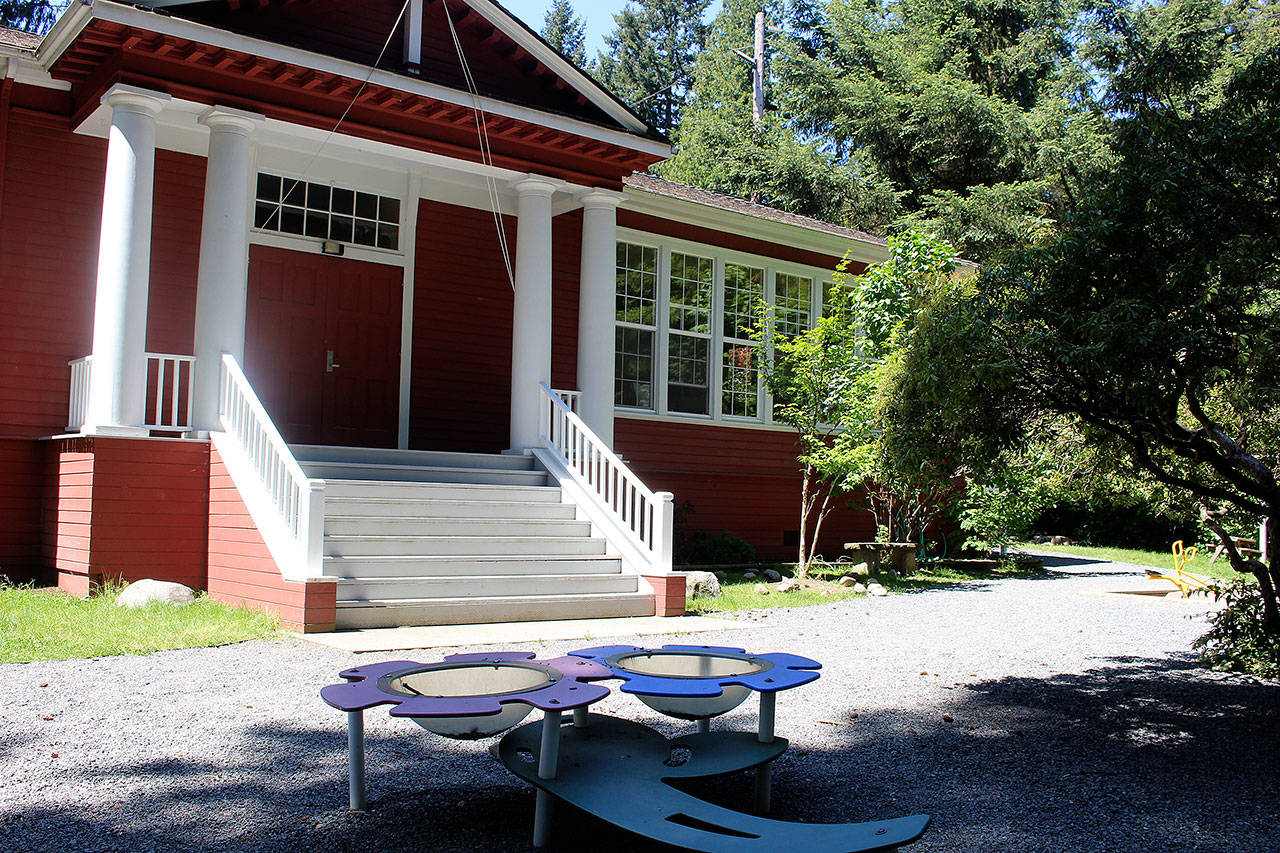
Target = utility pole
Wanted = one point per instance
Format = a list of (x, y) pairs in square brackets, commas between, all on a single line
[(757, 62)]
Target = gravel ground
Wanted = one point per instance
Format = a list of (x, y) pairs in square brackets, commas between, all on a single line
[(1025, 714)]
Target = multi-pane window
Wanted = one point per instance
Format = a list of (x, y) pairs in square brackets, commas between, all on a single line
[(791, 303), (689, 343), (743, 290), (636, 300), (307, 209)]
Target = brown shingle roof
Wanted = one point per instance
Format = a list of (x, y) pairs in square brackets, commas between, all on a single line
[(661, 186), (19, 39)]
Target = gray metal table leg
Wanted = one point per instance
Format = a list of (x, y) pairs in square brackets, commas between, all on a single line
[(764, 733), (355, 759), (548, 759), (580, 717), (703, 725)]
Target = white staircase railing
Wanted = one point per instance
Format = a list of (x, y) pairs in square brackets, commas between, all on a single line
[(616, 496), (286, 505)]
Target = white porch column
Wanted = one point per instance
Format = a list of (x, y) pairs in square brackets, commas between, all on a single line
[(531, 324), (224, 256), (596, 311), (117, 377)]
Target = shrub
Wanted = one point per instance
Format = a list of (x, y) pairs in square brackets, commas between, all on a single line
[(1236, 641), (700, 548)]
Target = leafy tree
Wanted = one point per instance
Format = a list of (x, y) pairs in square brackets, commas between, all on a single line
[(34, 17), (566, 32), (651, 50), (1153, 319)]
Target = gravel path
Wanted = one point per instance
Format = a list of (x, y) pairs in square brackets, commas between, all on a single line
[(1028, 714)]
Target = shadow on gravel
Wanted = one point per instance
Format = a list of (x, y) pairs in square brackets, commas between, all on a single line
[(1135, 755)]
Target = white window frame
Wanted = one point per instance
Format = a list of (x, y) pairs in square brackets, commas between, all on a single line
[(720, 257), (658, 329)]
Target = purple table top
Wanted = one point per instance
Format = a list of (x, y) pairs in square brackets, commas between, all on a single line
[(785, 671), (571, 690)]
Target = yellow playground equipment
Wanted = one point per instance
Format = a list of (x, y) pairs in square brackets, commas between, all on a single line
[(1186, 582)]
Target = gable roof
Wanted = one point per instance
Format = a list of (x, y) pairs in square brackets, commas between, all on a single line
[(494, 41), (19, 39), (683, 192)]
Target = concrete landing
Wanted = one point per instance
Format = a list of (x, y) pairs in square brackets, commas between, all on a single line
[(508, 633)]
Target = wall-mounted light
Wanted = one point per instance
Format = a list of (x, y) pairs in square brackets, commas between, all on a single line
[(333, 247)]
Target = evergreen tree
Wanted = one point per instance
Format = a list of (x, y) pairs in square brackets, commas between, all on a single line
[(721, 148), (566, 32), (34, 16), (651, 54)]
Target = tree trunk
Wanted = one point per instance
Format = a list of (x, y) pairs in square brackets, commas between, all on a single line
[(1269, 577)]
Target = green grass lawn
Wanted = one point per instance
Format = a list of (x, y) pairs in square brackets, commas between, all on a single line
[(1160, 560), (50, 625)]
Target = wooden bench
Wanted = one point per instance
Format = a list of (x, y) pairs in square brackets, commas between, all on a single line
[(901, 555)]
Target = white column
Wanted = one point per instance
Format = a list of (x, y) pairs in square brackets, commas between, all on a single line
[(531, 324), (224, 256), (596, 311), (117, 378)]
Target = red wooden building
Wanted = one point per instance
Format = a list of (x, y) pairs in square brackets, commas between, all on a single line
[(347, 315)]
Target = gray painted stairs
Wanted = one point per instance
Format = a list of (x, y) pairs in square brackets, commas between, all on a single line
[(434, 538)]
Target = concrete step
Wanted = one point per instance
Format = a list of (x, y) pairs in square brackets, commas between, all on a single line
[(341, 489), (441, 509), (389, 472), (364, 546), (486, 586), (479, 566), (468, 610), (400, 526), (319, 453)]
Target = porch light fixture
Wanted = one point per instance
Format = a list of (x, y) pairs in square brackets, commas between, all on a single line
[(333, 247)]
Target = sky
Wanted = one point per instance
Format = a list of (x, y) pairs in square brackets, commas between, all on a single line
[(598, 15)]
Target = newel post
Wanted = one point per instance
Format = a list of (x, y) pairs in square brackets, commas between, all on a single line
[(313, 540), (663, 531)]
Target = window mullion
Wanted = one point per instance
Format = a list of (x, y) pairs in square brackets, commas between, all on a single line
[(715, 357), (662, 347)]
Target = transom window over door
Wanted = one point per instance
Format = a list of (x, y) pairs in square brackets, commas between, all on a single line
[(743, 290), (291, 206), (689, 341), (636, 301)]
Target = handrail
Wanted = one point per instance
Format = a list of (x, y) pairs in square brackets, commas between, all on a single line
[(645, 517), (173, 390), (78, 404), (294, 527)]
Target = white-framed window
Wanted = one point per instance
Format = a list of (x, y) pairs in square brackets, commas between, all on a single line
[(685, 313), (308, 209), (636, 301)]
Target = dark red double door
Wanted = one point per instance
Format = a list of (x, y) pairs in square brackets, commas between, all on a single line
[(322, 346)]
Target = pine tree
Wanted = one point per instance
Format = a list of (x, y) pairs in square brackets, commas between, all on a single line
[(566, 32), (720, 148), (651, 54), (34, 16)]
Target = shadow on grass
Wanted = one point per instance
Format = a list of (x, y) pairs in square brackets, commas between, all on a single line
[(1135, 754)]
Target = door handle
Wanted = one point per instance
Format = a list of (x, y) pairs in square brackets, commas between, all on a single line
[(329, 363)]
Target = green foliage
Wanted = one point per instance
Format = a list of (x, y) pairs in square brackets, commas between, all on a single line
[(33, 17), (1236, 641), (651, 50), (1151, 323), (702, 548), (566, 32)]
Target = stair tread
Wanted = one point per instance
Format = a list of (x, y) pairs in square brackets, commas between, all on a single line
[(489, 599)]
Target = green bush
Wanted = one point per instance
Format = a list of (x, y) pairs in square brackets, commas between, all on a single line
[(1236, 641), (700, 548)]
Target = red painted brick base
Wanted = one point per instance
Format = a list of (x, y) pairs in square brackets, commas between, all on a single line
[(668, 594)]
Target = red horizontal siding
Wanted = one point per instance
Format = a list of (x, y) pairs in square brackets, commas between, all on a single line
[(175, 252), (462, 303), (743, 482), (49, 246), (242, 570)]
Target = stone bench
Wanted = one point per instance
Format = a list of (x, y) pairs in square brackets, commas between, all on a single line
[(900, 555)]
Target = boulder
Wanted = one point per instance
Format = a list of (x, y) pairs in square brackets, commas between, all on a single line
[(786, 585), (862, 569), (860, 588), (749, 576), (144, 592), (701, 585), (848, 580), (1059, 540), (772, 576), (762, 589), (876, 589)]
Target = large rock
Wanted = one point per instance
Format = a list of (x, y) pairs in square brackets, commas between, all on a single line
[(787, 585), (701, 585), (762, 589), (847, 580), (874, 588), (772, 576), (144, 592), (862, 569)]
